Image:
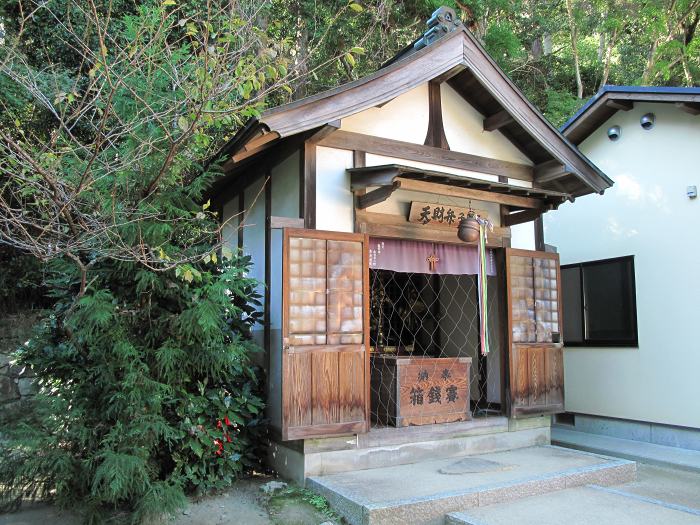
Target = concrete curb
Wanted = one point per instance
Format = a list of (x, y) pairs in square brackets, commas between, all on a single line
[(619, 451)]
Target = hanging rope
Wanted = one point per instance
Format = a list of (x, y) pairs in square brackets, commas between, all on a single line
[(483, 295)]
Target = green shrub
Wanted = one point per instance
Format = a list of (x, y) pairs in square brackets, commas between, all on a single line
[(147, 391)]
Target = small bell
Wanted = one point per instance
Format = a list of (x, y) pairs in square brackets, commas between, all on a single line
[(468, 229)]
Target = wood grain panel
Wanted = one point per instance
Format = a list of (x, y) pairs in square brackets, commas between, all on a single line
[(324, 388), (351, 378), (554, 363), (534, 316), (297, 382), (537, 377)]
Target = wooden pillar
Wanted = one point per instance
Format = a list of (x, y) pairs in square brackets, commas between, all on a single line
[(539, 234), (241, 211), (436, 131), (268, 267), (307, 185)]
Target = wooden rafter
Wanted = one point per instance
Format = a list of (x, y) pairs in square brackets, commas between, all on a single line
[(622, 105), (523, 216), (692, 108), (497, 120), (468, 193)]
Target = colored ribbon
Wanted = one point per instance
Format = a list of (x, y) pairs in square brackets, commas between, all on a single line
[(483, 295)]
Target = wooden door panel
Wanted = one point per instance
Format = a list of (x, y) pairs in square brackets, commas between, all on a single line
[(324, 382), (324, 331), (534, 315), (536, 376), (297, 384), (554, 363), (351, 377)]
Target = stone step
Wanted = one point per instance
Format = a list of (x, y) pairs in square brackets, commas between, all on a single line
[(589, 505), (641, 451), (423, 493), (387, 447)]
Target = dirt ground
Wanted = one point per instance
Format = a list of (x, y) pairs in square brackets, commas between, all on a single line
[(244, 504)]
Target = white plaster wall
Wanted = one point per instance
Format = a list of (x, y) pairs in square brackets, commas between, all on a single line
[(464, 130), (646, 214), (523, 236), (404, 118), (334, 200)]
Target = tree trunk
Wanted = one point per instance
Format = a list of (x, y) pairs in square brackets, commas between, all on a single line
[(608, 58), (574, 48), (651, 62)]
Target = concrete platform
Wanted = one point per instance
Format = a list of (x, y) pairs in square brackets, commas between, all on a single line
[(641, 451), (423, 493), (590, 505), (386, 447)]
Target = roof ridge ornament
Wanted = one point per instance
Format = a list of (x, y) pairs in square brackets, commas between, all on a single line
[(444, 20)]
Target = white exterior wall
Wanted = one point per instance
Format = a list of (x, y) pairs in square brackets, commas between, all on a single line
[(334, 200), (645, 214)]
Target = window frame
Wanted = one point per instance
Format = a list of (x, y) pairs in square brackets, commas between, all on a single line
[(632, 343)]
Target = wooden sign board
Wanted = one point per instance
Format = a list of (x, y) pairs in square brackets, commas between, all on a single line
[(439, 215), (433, 390)]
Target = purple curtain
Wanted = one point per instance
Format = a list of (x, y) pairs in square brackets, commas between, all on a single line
[(412, 257)]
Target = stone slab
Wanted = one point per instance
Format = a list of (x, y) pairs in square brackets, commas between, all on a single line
[(420, 494), (651, 453), (587, 505)]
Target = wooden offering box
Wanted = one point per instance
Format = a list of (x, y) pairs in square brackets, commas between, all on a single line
[(419, 390)]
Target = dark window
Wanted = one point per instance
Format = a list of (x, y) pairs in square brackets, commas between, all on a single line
[(599, 303)]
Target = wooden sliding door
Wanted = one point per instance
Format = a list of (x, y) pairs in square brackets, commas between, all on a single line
[(325, 334), (535, 349)]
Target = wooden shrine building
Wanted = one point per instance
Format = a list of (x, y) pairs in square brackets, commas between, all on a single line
[(374, 327)]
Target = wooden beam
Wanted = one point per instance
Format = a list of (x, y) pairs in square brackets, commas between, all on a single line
[(436, 132), (523, 216), (308, 178), (622, 105), (467, 193), (376, 196), (254, 147), (261, 140), (323, 132), (497, 120), (549, 171), (396, 226), (286, 222), (539, 234), (419, 152), (692, 108), (241, 211), (359, 159)]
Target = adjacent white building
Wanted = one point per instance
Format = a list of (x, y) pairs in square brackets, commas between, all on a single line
[(630, 264)]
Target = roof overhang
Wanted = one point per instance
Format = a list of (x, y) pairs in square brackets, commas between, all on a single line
[(375, 184), (611, 99), (457, 58)]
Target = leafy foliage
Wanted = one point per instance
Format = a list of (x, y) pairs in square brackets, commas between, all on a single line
[(148, 391)]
